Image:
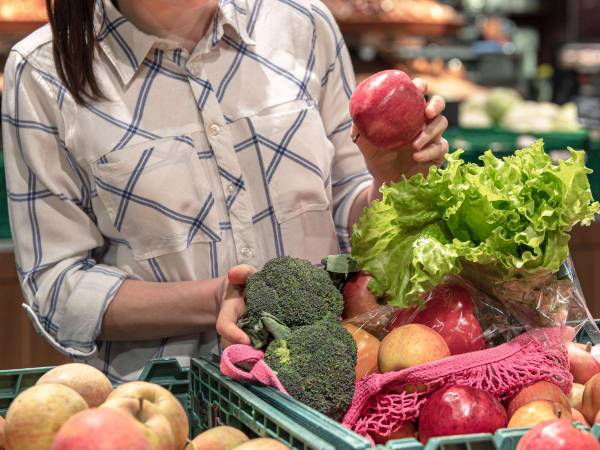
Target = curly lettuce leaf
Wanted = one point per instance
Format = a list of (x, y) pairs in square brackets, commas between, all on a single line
[(512, 214)]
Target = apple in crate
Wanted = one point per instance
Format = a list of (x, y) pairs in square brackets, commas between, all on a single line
[(262, 444), (388, 109), (100, 429), (153, 424), (579, 417), (358, 299), (576, 396), (460, 410), (36, 415), (411, 345), (406, 430), (557, 434), (542, 390), (582, 363), (166, 403), (451, 312), (219, 438), (86, 380), (538, 411)]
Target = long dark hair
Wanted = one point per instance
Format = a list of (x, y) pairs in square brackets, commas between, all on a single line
[(74, 46)]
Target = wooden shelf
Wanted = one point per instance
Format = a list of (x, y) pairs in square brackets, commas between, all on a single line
[(399, 28), (19, 27)]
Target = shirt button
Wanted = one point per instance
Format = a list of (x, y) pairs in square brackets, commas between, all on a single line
[(247, 252), (214, 129), (231, 189)]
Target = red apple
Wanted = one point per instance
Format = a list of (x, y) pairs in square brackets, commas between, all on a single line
[(557, 435), (579, 417), (402, 316), (150, 421), (542, 390), (166, 403), (460, 410), (451, 312), (538, 411), (582, 364), (36, 415), (1, 433), (576, 396), (411, 345), (358, 299), (407, 430), (590, 404), (100, 429), (86, 380), (388, 109)]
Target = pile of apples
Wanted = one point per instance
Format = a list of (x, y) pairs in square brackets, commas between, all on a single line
[(447, 325), (75, 407)]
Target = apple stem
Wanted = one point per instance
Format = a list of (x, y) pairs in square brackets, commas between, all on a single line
[(588, 347), (558, 414)]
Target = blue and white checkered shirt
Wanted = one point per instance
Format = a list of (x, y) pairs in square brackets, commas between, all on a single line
[(235, 153)]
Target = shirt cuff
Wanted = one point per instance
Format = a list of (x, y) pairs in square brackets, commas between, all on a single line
[(341, 214), (80, 323)]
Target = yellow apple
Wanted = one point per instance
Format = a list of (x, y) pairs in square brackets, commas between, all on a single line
[(219, 438), (166, 403), (36, 415), (538, 411), (155, 426), (86, 380)]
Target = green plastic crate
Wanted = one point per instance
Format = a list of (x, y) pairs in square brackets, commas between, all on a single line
[(167, 373), (218, 400), (483, 441)]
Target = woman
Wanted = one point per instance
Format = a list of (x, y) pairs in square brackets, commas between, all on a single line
[(152, 145)]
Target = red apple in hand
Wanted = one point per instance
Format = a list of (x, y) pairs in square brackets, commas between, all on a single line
[(460, 410), (100, 429), (582, 364), (557, 435), (450, 311), (358, 299), (388, 109)]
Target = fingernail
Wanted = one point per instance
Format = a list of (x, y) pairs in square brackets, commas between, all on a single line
[(419, 142)]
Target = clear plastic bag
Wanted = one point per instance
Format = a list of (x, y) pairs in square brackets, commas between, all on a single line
[(477, 309)]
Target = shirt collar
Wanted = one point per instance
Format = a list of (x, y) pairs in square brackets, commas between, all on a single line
[(127, 47)]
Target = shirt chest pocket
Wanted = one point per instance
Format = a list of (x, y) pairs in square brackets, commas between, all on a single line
[(157, 196), (297, 158)]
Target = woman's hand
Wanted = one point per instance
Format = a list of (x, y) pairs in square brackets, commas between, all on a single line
[(428, 148), (232, 305)]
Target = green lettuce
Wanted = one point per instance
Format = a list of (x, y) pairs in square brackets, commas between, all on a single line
[(511, 216)]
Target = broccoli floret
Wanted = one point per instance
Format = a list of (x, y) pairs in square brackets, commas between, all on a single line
[(294, 291), (316, 365)]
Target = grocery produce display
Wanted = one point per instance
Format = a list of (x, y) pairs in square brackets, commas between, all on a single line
[(459, 295), (55, 413)]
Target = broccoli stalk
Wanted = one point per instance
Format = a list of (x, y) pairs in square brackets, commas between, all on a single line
[(316, 364)]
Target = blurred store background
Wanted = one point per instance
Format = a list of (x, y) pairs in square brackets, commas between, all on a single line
[(510, 70)]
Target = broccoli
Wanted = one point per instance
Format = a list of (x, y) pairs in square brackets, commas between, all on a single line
[(294, 292), (316, 365)]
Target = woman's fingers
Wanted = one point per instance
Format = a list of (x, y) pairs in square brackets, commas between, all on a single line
[(433, 152), (421, 85), (432, 131), (435, 107), (231, 311), (238, 275)]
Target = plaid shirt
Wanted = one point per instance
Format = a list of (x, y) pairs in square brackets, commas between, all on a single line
[(236, 153)]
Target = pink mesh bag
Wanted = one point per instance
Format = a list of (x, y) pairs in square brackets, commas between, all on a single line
[(381, 402)]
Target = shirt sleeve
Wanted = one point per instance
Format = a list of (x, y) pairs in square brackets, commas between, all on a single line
[(53, 226), (349, 175)]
